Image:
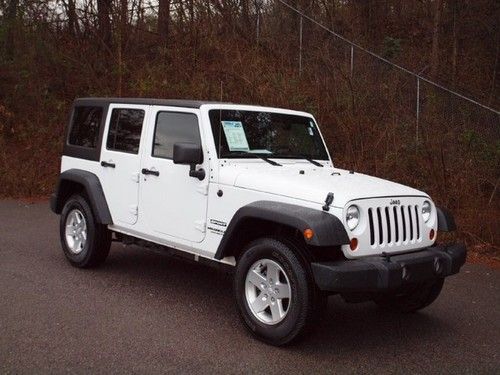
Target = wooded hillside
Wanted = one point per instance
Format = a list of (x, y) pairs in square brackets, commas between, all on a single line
[(375, 118)]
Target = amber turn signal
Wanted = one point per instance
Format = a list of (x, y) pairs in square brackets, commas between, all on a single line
[(308, 233), (353, 244)]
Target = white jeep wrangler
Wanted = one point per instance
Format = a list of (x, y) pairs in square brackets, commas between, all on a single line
[(254, 188)]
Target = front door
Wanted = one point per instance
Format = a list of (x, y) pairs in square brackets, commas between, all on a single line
[(120, 160), (172, 203)]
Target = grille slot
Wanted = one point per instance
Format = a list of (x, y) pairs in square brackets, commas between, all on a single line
[(403, 220), (380, 230), (411, 222), (370, 220), (393, 225), (396, 222), (418, 223), (388, 220)]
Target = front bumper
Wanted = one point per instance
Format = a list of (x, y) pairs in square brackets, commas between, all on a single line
[(378, 273)]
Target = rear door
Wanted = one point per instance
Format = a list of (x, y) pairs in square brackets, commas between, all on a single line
[(120, 160), (172, 203)]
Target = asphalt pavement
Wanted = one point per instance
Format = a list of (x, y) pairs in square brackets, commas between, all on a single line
[(145, 312)]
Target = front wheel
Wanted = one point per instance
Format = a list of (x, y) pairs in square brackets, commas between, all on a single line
[(273, 291), (414, 298)]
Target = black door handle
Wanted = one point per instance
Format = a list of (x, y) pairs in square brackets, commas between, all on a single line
[(106, 164), (149, 171)]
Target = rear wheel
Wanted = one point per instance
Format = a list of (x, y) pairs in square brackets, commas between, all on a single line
[(85, 243), (273, 291), (415, 298)]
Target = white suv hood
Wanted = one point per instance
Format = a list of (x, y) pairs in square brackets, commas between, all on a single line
[(313, 185)]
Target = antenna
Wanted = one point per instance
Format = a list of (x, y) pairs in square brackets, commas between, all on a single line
[(220, 123), (219, 152)]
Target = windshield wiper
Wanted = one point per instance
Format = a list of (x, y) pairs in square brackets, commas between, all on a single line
[(311, 160), (272, 162), (260, 156)]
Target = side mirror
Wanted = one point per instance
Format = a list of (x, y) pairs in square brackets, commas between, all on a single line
[(187, 153), (190, 154)]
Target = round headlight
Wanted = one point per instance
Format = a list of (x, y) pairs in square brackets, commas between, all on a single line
[(352, 217), (426, 211)]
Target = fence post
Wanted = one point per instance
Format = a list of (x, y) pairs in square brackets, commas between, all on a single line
[(300, 46), (352, 60), (258, 25), (418, 111)]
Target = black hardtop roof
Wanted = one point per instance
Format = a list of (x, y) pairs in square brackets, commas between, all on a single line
[(145, 101)]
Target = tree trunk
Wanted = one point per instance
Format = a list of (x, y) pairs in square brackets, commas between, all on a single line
[(454, 53), (11, 25), (123, 22), (496, 66), (163, 19), (245, 13), (104, 21), (435, 38), (121, 42), (73, 26)]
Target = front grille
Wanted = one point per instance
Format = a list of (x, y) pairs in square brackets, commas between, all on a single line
[(394, 225)]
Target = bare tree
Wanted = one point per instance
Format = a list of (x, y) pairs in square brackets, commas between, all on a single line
[(11, 16), (73, 26), (163, 19), (104, 21), (435, 37)]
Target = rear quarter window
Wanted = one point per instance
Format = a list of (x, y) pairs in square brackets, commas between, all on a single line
[(85, 126), (125, 130)]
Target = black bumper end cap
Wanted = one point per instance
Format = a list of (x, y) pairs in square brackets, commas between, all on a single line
[(53, 203)]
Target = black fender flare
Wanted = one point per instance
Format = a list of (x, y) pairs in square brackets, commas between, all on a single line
[(92, 187), (328, 229), (446, 221)]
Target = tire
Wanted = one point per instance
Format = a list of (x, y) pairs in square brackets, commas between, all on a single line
[(261, 257), (88, 244), (416, 298)]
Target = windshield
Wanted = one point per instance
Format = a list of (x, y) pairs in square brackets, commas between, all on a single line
[(277, 135)]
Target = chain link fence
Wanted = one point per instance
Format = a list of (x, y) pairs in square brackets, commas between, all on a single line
[(385, 120)]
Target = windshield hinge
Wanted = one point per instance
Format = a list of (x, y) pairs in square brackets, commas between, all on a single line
[(328, 202), (135, 177), (133, 209), (202, 189), (200, 225)]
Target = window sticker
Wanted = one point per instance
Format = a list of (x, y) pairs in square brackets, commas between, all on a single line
[(260, 151), (235, 136)]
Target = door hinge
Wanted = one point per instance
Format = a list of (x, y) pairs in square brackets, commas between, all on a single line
[(202, 189), (135, 177), (200, 225), (133, 209)]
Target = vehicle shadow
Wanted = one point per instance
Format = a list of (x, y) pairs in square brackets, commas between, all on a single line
[(342, 327)]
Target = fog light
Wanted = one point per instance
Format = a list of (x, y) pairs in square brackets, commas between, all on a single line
[(353, 244), (432, 234)]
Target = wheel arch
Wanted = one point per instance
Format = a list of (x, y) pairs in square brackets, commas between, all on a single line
[(75, 181), (270, 218), (446, 221)]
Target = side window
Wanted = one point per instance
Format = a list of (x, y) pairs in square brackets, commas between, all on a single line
[(85, 127), (173, 127), (125, 129)]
